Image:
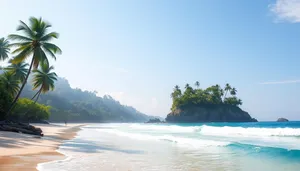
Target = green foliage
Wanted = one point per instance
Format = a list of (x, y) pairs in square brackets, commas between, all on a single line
[(36, 111), (18, 70), (4, 49), (233, 101), (75, 105), (44, 78), (5, 101), (34, 42), (10, 83), (212, 95)]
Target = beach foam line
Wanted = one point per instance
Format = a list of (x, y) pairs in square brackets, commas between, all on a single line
[(191, 142), (251, 131), (220, 131)]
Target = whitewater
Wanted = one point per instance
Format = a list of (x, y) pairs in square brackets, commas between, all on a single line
[(150, 147)]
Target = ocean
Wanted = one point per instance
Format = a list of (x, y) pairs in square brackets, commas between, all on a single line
[(260, 146)]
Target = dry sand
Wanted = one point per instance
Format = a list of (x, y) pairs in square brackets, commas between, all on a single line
[(23, 152)]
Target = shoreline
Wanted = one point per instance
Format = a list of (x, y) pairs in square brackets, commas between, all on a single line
[(24, 152)]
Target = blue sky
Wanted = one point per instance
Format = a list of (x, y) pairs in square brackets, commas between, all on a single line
[(138, 50)]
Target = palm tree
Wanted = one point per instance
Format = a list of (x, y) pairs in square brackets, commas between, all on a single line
[(187, 86), (4, 49), (33, 43), (197, 84), (10, 83), (18, 70), (227, 88), (43, 79), (176, 93), (233, 91)]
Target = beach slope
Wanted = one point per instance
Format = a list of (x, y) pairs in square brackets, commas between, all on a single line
[(24, 152)]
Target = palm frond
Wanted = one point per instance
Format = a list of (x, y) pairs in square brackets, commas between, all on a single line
[(20, 49), (23, 27), (22, 55), (49, 36), (41, 57), (39, 26), (49, 52), (19, 37), (52, 47), (43, 78), (18, 70), (19, 44), (4, 49), (10, 83)]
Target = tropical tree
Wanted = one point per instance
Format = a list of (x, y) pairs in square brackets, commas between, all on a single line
[(18, 70), (10, 83), (227, 88), (210, 96), (233, 91), (43, 79), (197, 84), (4, 49), (187, 86), (5, 101), (233, 101), (34, 43), (176, 93)]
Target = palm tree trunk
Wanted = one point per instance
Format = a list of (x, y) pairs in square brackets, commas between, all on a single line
[(225, 95), (35, 94), (21, 89), (38, 95)]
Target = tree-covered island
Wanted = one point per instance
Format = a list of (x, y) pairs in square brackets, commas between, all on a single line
[(212, 104)]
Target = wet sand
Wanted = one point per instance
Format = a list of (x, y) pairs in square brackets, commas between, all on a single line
[(23, 152)]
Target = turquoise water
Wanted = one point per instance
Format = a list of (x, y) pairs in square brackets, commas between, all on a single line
[(216, 146)]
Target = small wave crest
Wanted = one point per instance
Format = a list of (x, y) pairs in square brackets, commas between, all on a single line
[(190, 142), (240, 131), (221, 131)]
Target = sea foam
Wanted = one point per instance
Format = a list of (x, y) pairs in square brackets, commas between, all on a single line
[(221, 131)]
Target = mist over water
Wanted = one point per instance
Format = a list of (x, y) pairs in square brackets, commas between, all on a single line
[(226, 146)]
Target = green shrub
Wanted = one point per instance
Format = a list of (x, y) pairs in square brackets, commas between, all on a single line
[(27, 110), (5, 102)]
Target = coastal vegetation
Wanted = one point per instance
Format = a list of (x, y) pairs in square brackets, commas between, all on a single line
[(34, 43), (213, 104), (75, 105), (35, 111), (43, 94), (213, 95)]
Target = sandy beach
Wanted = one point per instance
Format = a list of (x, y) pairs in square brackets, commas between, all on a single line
[(24, 152)]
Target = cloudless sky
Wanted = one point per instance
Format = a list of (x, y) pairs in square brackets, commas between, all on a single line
[(138, 50)]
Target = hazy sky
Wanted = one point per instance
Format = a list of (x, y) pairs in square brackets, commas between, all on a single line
[(137, 51)]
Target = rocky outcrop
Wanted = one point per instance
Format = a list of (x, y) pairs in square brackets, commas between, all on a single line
[(282, 120), (209, 113), (20, 128), (155, 120)]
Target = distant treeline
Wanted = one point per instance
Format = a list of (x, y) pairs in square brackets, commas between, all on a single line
[(210, 96), (75, 105)]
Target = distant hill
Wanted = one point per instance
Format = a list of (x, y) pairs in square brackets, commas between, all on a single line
[(75, 105)]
